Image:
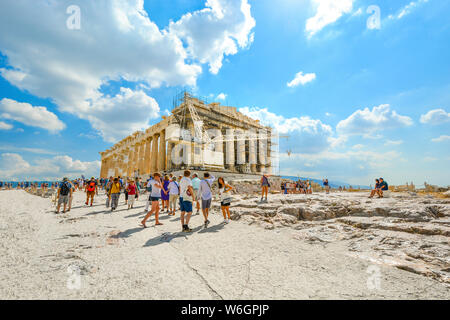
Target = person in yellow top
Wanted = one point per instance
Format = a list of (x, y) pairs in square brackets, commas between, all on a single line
[(114, 193)]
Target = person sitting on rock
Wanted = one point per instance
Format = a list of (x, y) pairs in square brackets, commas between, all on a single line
[(375, 190), (383, 187)]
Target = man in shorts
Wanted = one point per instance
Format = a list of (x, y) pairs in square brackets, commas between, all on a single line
[(205, 192), (91, 190), (63, 195), (186, 200)]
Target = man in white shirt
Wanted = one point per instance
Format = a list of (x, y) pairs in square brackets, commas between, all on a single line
[(186, 199), (205, 193), (174, 194)]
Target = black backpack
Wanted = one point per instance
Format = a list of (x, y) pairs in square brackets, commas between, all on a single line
[(64, 189)]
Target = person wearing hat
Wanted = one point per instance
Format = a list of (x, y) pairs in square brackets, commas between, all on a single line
[(91, 190)]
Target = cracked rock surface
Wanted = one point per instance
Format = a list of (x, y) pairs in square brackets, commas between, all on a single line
[(294, 247)]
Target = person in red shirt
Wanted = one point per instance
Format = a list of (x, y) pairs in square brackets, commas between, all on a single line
[(91, 190), (131, 193)]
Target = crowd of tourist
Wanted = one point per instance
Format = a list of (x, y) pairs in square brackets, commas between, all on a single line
[(169, 193), (299, 187)]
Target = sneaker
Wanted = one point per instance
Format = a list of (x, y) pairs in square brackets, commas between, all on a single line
[(206, 223), (188, 229)]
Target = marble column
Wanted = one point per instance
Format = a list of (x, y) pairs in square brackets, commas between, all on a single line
[(136, 157), (252, 150), (162, 151), (240, 146), (131, 161), (229, 151), (169, 155), (141, 157), (116, 167), (102, 169), (154, 156), (262, 146), (147, 155)]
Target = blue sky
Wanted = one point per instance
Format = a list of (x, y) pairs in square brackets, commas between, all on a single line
[(357, 101)]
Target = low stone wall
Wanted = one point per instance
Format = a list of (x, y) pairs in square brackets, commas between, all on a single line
[(47, 193)]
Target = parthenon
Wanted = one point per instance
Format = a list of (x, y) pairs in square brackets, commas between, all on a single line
[(235, 143)]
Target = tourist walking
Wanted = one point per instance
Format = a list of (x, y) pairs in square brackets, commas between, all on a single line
[(174, 195), (131, 191), (91, 190), (225, 199), (154, 197), (72, 188), (186, 200), (205, 192), (114, 193), (264, 186), (63, 194)]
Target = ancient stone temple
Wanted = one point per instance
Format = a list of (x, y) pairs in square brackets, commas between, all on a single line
[(198, 136)]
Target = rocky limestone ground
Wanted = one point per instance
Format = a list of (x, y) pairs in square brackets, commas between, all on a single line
[(407, 231), (338, 246)]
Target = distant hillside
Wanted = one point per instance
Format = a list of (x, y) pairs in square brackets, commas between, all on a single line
[(333, 184)]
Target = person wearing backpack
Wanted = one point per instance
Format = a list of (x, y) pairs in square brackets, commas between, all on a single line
[(205, 192), (174, 194), (64, 192), (91, 190)]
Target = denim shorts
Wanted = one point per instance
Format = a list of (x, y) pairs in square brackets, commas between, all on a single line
[(154, 199), (185, 206)]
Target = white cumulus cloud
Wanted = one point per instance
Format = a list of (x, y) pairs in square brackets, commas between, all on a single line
[(435, 117), (34, 116), (14, 167), (302, 79), (5, 126), (305, 134), (407, 9), (221, 96), (368, 122), (117, 41), (220, 29), (327, 12), (441, 139)]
